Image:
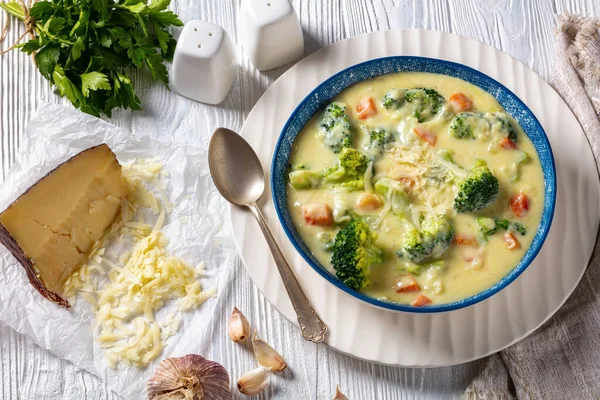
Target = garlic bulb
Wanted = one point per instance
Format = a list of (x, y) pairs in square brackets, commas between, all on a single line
[(338, 394), (267, 356), (239, 327), (189, 377), (253, 382)]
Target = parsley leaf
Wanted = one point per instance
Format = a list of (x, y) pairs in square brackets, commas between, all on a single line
[(77, 48), (158, 5), (41, 8), (54, 25), (66, 87), (166, 18), (46, 60), (87, 48), (156, 67), (93, 81), (163, 40), (31, 46), (136, 55)]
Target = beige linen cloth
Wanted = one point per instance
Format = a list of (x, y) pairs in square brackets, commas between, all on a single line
[(561, 360)]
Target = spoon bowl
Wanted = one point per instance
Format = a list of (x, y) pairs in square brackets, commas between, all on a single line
[(235, 168)]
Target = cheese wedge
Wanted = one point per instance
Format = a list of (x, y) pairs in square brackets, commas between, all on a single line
[(53, 225)]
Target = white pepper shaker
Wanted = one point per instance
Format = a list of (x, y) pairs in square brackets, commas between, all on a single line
[(270, 32), (204, 63)]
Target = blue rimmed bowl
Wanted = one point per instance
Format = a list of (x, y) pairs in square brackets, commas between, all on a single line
[(331, 87)]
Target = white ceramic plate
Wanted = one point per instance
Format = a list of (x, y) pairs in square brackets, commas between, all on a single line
[(426, 340)]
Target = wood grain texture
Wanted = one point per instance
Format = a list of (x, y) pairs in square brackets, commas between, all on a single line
[(522, 28)]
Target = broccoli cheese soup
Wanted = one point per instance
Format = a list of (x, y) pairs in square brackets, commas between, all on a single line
[(415, 188)]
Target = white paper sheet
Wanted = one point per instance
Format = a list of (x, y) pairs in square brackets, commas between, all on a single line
[(196, 229)]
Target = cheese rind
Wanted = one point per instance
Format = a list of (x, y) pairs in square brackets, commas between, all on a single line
[(53, 225)]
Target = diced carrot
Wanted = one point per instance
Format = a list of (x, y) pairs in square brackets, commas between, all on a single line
[(421, 301), (317, 214), (462, 239), (368, 202), (511, 241), (366, 108), (507, 144), (406, 284), (472, 255), (425, 135), (519, 204), (460, 102)]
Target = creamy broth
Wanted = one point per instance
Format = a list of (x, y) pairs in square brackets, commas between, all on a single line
[(473, 262)]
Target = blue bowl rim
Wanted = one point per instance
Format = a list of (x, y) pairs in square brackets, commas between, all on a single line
[(530, 255)]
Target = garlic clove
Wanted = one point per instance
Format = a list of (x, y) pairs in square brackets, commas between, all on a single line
[(239, 327), (267, 356), (253, 382), (189, 377), (338, 394)]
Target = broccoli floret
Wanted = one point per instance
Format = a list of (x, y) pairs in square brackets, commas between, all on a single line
[(428, 102), (489, 226), (353, 254), (350, 170), (478, 190), (521, 158), (505, 224), (414, 247), (336, 130), (393, 192), (378, 138), (502, 223), (501, 124), (393, 98), (461, 126), (439, 231), (435, 237), (305, 179)]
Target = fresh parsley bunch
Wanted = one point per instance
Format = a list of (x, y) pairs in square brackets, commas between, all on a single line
[(87, 47)]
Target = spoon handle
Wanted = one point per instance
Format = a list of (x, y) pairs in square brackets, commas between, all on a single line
[(313, 329)]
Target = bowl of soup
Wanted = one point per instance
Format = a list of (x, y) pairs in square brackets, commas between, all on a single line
[(414, 184)]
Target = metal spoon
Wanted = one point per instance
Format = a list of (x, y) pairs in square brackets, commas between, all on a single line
[(239, 177)]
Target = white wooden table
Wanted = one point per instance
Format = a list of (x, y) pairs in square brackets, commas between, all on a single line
[(522, 28)]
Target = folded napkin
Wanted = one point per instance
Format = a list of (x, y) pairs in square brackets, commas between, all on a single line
[(561, 359)]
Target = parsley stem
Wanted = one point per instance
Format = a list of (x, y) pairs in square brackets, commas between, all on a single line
[(15, 9)]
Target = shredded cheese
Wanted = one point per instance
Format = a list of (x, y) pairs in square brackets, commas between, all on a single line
[(414, 161), (140, 281)]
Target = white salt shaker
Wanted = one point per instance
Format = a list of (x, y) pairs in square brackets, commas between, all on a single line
[(204, 62), (270, 32)]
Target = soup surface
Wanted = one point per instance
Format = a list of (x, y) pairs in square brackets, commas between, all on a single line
[(415, 188)]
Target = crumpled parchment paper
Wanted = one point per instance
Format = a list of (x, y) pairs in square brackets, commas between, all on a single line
[(196, 229)]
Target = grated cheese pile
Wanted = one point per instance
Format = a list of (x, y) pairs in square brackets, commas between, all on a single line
[(139, 283), (418, 163)]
